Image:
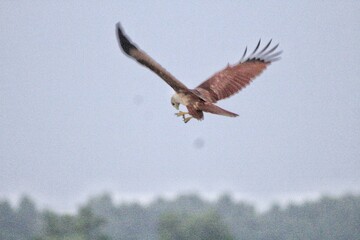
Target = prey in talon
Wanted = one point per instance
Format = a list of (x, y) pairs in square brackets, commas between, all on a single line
[(182, 114)]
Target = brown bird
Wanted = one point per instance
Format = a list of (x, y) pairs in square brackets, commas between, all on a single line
[(221, 85)]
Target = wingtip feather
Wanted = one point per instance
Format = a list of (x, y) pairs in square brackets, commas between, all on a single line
[(264, 55), (124, 42)]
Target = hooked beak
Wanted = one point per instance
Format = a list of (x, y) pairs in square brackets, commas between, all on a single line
[(177, 106)]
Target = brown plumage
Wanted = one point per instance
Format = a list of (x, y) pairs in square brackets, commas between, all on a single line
[(221, 85)]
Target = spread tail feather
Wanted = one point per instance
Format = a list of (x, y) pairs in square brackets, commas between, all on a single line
[(212, 108)]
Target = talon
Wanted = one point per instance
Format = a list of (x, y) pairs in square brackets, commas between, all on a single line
[(187, 119), (179, 114)]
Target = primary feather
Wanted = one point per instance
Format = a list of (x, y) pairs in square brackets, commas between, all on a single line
[(234, 78)]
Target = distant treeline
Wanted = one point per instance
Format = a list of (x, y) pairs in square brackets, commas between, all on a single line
[(187, 217)]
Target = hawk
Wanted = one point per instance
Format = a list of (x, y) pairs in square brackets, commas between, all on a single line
[(222, 84)]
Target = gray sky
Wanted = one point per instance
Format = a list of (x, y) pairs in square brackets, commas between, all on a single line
[(78, 117)]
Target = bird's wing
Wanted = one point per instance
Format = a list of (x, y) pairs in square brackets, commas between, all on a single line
[(131, 50), (234, 78)]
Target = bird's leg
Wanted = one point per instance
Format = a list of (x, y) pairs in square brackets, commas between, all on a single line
[(180, 113), (187, 119)]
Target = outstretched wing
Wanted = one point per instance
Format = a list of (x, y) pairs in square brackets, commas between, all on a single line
[(131, 50), (234, 78)]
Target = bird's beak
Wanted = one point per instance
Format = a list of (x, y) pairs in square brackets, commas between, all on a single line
[(177, 106)]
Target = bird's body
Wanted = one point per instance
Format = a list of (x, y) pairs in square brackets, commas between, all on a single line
[(196, 105), (221, 85)]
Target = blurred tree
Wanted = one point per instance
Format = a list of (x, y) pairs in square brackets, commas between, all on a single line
[(241, 218), (8, 222), (27, 218), (207, 226), (171, 227), (89, 225), (57, 226), (84, 226), (185, 218)]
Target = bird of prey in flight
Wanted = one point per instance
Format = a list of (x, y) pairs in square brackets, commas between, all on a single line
[(221, 85)]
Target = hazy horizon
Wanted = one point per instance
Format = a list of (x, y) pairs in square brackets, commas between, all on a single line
[(260, 204)]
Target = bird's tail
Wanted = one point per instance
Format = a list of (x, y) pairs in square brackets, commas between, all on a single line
[(212, 108)]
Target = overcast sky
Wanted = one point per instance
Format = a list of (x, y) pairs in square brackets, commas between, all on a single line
[(78, 117)]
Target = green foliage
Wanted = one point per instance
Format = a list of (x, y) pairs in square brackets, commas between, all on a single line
[(166, 219), (20, 224), (84, 226), (186, 217), (171, 227), (27, 216), (207, 226)]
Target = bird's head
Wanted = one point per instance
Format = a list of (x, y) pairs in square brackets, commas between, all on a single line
[(175, 103)]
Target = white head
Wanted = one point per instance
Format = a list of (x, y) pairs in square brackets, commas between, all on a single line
[(175, 102)]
